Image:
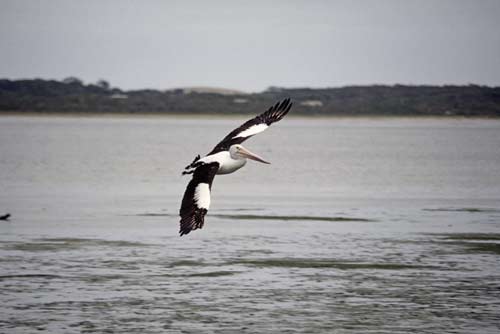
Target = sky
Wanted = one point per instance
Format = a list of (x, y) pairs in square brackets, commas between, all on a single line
[(251, 45)]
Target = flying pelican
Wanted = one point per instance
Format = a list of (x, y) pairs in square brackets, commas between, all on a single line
[(227, 157)]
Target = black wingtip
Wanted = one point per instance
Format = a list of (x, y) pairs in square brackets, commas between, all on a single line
[(277, 111), (287, 105), (283, 104), (184, 229)]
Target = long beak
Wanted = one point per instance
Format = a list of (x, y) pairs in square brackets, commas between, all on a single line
[(246, 153)]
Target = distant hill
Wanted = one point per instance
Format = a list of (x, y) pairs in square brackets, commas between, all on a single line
[(211, 90), (72, 95)]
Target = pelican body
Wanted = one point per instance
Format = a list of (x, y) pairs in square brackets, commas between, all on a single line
[(230, 164), (229, 161), (227, 157)]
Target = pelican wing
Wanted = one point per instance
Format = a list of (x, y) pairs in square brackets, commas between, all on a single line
[(254, 126), (196, 200)]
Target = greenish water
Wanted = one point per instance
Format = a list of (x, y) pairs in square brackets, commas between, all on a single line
[(358, 226)]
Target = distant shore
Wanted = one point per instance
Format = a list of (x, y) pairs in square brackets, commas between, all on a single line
[(187, 116), (72, 96)]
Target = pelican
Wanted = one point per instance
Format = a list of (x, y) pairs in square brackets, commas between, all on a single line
[(227, 157)]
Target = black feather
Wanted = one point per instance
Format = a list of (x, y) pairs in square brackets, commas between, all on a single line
[(272, 115), (192, 216)]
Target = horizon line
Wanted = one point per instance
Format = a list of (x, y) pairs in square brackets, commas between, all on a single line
[(235, 91)]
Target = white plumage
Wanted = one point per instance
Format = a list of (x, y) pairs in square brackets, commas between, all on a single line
[(202, 195), (253, 130)]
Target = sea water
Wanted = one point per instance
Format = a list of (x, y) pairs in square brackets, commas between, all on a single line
[(359, 225)]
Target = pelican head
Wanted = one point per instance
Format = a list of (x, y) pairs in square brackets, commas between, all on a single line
[(239, 152)]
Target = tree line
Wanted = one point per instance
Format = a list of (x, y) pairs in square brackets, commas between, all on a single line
[(72, 95)]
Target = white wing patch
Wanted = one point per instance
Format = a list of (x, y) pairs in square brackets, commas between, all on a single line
[(254, 129), (202, 195), (217, 157)]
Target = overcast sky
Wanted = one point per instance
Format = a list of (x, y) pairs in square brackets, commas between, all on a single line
[(250, 45)]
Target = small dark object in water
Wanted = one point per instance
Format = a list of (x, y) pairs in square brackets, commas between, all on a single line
[(5, 217)]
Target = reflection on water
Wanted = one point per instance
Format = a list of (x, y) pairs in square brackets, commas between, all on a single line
[(394, 227)]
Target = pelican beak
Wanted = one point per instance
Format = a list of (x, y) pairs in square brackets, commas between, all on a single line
[(247, 154)]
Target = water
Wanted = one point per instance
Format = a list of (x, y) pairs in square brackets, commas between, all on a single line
[(358, 226)]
